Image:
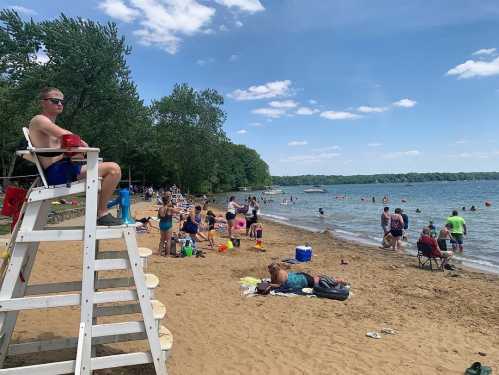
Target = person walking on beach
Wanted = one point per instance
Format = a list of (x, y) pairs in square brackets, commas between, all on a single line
[(396, 228), (385, 220), (232, 207), (457, 231)]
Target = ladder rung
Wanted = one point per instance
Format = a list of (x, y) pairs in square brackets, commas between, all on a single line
[(75, 286), (57, 234), (44, 302), (123, 254), (133, 308), (111, 264), (68, 367), (111, 329), (43, 193)]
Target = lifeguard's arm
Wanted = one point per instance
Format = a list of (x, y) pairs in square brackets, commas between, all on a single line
[(43, 124)]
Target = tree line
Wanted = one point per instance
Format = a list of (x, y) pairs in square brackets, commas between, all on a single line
[(177, 139), (382, 178)]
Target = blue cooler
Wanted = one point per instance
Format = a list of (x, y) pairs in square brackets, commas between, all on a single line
[(303, 253)]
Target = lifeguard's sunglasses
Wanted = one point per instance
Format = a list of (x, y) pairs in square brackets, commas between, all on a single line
[(55, 100)]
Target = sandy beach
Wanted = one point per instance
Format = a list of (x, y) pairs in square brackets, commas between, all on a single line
[(443, 320)]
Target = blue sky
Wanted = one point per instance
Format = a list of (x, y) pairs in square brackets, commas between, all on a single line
[(325, 86)]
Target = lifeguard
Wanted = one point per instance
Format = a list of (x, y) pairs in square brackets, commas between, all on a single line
[(44, 133)]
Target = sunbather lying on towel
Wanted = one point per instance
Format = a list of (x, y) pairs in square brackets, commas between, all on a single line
[(284, 280)]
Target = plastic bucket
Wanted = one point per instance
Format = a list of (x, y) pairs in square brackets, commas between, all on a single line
[(188, 251), (303, 253)]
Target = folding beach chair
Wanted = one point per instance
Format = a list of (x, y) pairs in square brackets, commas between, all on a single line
[(425, 258)]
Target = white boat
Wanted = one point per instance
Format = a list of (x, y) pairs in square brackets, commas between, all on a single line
[(273, 192), (315, 190)]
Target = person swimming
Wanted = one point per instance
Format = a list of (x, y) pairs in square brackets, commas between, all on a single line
[(321, 211)]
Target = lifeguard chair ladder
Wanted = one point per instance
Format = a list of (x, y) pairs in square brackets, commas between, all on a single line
[(16, 295)]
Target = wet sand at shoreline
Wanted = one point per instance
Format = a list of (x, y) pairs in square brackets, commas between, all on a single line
[(443, 319)]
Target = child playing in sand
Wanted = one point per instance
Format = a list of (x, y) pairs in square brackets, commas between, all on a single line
[(211, 220), (256, 231)]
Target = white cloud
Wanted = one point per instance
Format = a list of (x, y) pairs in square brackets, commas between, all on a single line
[(269, 112), (311, 158), (312, 101), (461, 142), (374, 144), (472, 68), (21, 9), (119, 10), (401, 154), (257, 124), (333, 115), (306, 111), (163, 23), (328, 148), (485, 51), (250, 6), (203, 62), (239, 23), (283, 104), (242, 131), (223, 28), (267, 90), (297, 143), (405, 103), (233, 58), (366, 109)]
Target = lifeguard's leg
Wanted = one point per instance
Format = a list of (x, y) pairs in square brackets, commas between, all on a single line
[(111, 176)]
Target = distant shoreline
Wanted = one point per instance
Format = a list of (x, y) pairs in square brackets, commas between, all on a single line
[(383, 178)]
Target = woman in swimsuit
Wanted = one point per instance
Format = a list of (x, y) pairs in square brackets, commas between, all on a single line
[(396, 228), (231, 214), (165, 215)]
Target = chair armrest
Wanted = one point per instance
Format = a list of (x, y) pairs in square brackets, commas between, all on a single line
[(76, 150)]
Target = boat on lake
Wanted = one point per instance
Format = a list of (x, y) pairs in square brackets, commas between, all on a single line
[(273, 192), (315, 190)]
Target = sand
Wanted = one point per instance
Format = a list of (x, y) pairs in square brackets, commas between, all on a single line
[(443, 319)]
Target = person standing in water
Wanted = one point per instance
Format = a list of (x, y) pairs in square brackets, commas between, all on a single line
[(396, 228), (458, 231), (385, 220)]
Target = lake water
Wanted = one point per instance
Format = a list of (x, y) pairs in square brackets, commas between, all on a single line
[(359, 220)]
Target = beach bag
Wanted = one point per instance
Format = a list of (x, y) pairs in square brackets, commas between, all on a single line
[(173, 246), (329, 288), (478, 369)]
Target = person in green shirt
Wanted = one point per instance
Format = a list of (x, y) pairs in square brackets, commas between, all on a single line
[(458, 231)]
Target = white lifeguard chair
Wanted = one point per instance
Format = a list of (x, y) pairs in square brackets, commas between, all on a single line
[(97, 297)]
